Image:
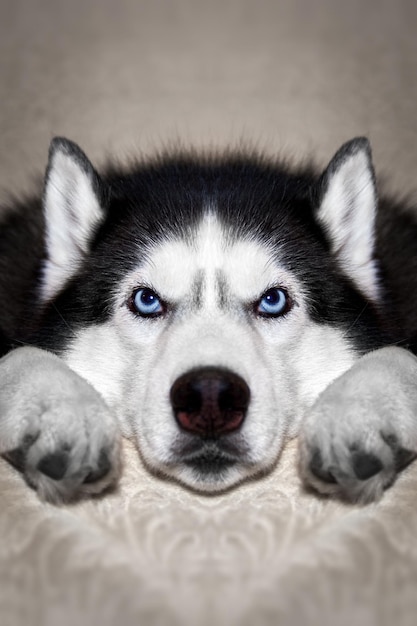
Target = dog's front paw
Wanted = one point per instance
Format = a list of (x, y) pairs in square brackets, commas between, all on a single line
[(55, 428), (362, 430)]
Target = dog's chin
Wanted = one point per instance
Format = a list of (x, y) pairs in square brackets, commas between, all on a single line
[(210, 466), (210, 462)]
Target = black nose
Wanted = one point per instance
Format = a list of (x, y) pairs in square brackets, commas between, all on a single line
[(210, 401)]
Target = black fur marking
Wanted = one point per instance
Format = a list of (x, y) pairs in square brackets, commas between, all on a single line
[(222, 289), (349, 149), (267, 201), (71, 149), (197, 289)]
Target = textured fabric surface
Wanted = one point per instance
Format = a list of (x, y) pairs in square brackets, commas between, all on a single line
[(117, 77), (265, 553)]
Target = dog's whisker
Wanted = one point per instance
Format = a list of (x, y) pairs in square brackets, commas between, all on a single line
[(346, 333), (63, 319)]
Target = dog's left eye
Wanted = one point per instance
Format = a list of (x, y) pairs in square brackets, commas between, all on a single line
[(146, 302), (274, 302)]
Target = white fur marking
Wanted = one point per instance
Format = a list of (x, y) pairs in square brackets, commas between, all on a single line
[(348, 213), (72, 211), (285, 362), (173, 266)]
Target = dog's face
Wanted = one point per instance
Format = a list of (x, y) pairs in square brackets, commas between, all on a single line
[(215, 341)]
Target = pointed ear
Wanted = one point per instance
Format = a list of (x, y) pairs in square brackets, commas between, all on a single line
[(347, 212), (73, 204)]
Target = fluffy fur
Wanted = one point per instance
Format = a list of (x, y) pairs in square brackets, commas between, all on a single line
[(208, 237)]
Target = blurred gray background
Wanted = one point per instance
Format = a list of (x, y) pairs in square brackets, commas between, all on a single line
[(121, 76)]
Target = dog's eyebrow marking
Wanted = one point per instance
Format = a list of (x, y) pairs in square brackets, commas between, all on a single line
[(197, 289), (200, 284), (222, 289)]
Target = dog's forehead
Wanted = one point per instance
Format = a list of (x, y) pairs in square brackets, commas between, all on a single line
[(209, 257)]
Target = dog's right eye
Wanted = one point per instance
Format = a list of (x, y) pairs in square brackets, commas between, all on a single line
[(274, 303), (146, 303)]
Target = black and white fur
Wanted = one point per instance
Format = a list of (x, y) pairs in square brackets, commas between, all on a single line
[(210, 235)]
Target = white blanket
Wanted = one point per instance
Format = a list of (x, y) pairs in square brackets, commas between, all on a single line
[(154, 553)]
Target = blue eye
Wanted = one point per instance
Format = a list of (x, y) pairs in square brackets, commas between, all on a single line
[(146, 302), (273, 303)]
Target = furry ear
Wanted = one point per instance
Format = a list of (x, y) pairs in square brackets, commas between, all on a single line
[(72, 202), (347, 213)]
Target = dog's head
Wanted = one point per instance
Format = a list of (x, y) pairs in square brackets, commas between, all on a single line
[(210, 301)]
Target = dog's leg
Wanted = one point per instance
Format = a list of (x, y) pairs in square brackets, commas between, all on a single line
[(362, 430), (54, 427)]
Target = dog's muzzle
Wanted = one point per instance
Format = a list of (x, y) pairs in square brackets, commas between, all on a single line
[(210, 402)]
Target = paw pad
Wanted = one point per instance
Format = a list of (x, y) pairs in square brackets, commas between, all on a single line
[(402, 456), (365, 465), (54, 465), (104, 466), (317, 469)]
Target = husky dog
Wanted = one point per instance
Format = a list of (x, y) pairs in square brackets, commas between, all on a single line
[(211, 308)]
